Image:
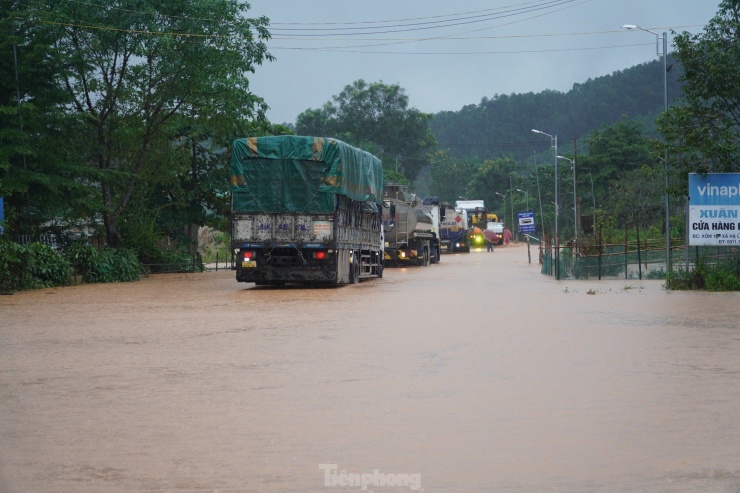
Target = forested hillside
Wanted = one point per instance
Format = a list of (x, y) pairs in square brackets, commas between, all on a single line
[(502, 124)]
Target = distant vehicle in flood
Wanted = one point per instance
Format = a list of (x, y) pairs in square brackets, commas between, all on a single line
[(411, 227), (453, 229), (480, 219)]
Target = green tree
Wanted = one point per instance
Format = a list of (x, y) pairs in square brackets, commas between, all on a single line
[(131, 68), (40, 177), (450, 176), (636, 197), (315, 122), (704, 129), (615, 150), (376, 113), (493, 176), (189, 188)]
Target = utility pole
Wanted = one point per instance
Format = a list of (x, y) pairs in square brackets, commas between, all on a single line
[(576, 216)]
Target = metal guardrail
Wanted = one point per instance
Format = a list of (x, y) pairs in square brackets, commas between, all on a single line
[(630, 260)]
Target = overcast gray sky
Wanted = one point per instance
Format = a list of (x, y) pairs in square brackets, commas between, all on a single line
[(450, 54)]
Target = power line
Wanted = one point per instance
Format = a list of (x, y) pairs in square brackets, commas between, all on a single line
[(478, 38), (495, 26), (450, 23), (457, 53), (539, 6), (334, 49), (398, 20), (418, 26), (356, 48)]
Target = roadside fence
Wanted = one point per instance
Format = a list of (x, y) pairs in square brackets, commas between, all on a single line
[(645, 259)]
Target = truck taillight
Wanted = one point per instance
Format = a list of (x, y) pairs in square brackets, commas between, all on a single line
[(248, 255), (319, 255)]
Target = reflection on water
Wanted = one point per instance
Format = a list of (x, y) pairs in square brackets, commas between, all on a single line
[(478, 374)]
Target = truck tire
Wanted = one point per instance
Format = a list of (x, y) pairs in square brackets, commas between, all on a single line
[(436, 256), (354, 269)]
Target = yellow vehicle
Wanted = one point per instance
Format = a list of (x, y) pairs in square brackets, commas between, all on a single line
[(481, 221), (476, 237), (491, 222)]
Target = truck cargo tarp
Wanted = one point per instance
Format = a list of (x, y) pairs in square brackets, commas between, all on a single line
[(301, 174)]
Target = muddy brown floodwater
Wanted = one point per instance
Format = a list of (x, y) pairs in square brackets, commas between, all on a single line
[(477, 374)]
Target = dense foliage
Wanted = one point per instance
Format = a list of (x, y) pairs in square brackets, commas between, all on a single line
[(711, 276), (108, 265), (35, 265), (132, 99), (31, 266), (374, 116), (703, 131), (503, 123)]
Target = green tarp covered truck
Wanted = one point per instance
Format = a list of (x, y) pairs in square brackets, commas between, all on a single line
[(305, 210)]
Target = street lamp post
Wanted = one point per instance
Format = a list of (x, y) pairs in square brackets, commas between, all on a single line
[(526, 195), (503, 196), (593, 211), (554, 143), (632, 27), (539, 200), (575, 207), (511, 197)]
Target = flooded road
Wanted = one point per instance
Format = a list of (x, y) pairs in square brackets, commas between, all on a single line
[(477, 374)]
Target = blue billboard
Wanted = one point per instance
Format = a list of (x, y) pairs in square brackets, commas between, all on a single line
[(526, 222), (714, 209)]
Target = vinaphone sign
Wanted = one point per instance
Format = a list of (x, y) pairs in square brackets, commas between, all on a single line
[(714, 209)]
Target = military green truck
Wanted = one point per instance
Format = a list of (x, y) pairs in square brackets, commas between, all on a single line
[(305, 210)]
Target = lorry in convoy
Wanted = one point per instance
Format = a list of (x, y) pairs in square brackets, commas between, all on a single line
[(480, 219), (477, 213), (411, 227), (476, 210), (453, 229), (305, 210)]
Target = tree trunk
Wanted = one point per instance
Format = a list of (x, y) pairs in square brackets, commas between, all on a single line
[(191, 230), (112, 236)]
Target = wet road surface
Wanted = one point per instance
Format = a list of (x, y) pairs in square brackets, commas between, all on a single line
[(477, 374)]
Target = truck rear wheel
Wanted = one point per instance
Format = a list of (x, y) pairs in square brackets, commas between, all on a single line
[(435, 254), (425, 257), (354, 269)]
